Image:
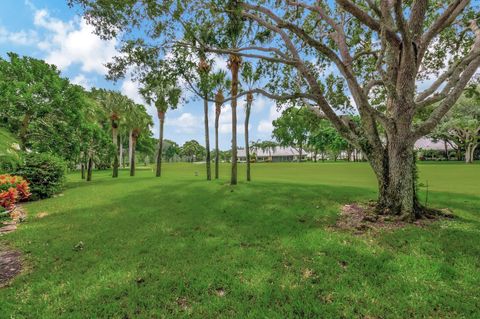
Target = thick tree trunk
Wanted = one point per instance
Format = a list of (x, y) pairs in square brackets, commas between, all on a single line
[(132, 157), (469, 153), (115, 142), (207, 138), (89, 168), (395, 169), (247, 144), (161, 117)]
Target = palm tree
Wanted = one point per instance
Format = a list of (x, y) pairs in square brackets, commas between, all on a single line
[(138, 121), (161, 89), (203, 71), (249, 77), (234, 36), (114, 105), (221, 84)]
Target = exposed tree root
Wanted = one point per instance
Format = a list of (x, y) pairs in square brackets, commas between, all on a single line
[(361, 218)]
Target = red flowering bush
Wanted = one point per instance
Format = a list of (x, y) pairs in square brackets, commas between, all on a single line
[(12, 190)]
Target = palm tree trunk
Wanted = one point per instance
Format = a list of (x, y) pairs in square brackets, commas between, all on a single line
[(234, 62), (115, 159), (247, 145), (217, 152), (207, 138), (132, 157), (130, 146), (122, 162), (218, 109), (161, 117)]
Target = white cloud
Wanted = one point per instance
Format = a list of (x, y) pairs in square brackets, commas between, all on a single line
[(19, 38), (131, 88), (186, 123), (259, 103), (225, 120), (83, 81), (74, 42), (219, 63), (265, 126)]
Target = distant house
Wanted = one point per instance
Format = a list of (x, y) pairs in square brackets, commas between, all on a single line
[(278, 154), (428, 144)]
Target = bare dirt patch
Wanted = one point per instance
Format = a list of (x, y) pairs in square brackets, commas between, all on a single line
[(10, 266), (361, 218)]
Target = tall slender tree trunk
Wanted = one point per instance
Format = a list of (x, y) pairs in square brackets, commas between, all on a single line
[(234, 65), (300, 153), (132, 158), (130, 146), (82, 168), (115, 142), (445, 145), (247, 144), (207, 138), (89, 168), (121, 159), (218, 109), (161, 117)]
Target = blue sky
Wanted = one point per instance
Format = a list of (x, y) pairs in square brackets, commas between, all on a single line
[(50, 30)]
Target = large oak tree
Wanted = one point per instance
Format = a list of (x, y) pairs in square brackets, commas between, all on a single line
[(377, 52)]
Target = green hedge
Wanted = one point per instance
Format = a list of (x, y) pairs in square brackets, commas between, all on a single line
[(45, 173)]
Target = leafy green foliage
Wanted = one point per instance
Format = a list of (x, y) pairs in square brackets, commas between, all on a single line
[(192, 150), (45, 173), (42, 108), (292, 127), (10, 154)]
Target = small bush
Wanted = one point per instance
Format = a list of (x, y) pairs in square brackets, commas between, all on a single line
[(12, 190), (45, 173)]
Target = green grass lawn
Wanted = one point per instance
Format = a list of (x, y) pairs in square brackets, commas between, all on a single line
[(180, 246)]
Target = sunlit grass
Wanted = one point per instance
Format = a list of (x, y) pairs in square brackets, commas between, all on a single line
[(180, 246)]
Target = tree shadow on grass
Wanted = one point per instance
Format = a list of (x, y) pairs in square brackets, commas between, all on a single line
[(166, 250)]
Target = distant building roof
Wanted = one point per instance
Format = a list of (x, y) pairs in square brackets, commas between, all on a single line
[(278, 151), (428, 144)]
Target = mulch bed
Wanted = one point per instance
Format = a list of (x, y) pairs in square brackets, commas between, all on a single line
[(10, 266), (10, 260), (361, 218)]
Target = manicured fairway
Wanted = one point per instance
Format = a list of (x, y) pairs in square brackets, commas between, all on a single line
[(180, 246)]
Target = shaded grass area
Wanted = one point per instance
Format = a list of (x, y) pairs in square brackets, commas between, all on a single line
[(162, 248)]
